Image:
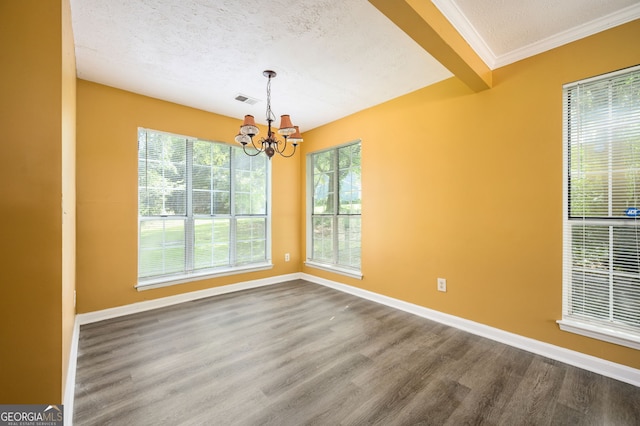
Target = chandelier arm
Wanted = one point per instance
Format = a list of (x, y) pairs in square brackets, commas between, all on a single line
[(255, 147), (284, 146), (258, 151), (290, 155)]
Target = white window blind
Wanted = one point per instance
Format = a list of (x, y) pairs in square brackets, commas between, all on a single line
[(601, 256), (162, 203), (202, 208), (335, 208)]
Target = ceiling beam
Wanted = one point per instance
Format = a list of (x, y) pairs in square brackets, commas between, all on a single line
[(423, 22)]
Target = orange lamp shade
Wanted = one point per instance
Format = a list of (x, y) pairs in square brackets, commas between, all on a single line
[(286, 127), (296, 137), (249, 126), (249, 120)]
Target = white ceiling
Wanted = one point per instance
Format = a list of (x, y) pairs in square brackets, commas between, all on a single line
[(333, 57)]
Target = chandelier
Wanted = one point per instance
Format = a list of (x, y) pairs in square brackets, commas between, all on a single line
[(269, 145)]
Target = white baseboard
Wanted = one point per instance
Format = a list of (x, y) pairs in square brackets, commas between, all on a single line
[(610, 369), (148, 305), (70, 384)]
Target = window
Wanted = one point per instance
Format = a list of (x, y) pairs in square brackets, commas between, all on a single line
[(202, 208), (334, 187), (601, 274)]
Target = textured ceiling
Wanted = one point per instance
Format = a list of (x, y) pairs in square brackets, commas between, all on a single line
[(333, 58)]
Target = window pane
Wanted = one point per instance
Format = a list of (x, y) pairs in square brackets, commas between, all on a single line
[(350, 184), (349, 241), (162, 247), (201, 177), (222, 179), (323, 182), (259, 199), (221, 167), (176, 202), (202, 154), (211, 171), (242, 161), (221, 202), (323, 239), (589, 195), (211, 243), (250, 180), (258, 250), (590, 294), (161, 174), (221, 155), (604, 139), (625, 191), (201, 202), (251, 240), (626, 251), (243, 181), (590, 246), (626, 301), (242, 202), (596, 189)]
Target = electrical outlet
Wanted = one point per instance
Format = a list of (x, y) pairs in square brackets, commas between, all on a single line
[(442, 284), (287, 257)]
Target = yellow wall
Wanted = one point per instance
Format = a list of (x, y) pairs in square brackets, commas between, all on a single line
[(36, 109), (468, 186), (107, 168)]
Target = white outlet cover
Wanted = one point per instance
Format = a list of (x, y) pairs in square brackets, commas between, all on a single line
[(442, 284)]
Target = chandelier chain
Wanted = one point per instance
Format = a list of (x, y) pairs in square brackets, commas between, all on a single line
[(270, 115)]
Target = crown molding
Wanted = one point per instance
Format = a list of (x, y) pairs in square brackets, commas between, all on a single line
[(460, 22), (612, 20)]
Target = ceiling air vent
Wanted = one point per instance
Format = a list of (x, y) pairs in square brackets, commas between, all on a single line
[(246, 99)]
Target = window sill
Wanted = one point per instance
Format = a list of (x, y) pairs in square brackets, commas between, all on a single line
[(612, 336), (337, 269), (181, 279)]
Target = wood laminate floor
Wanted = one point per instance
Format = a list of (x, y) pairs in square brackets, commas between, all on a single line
[(298, 353)]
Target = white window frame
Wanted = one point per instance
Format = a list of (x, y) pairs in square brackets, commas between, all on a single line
[(583, 325), (200, 274), (334, 266)]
